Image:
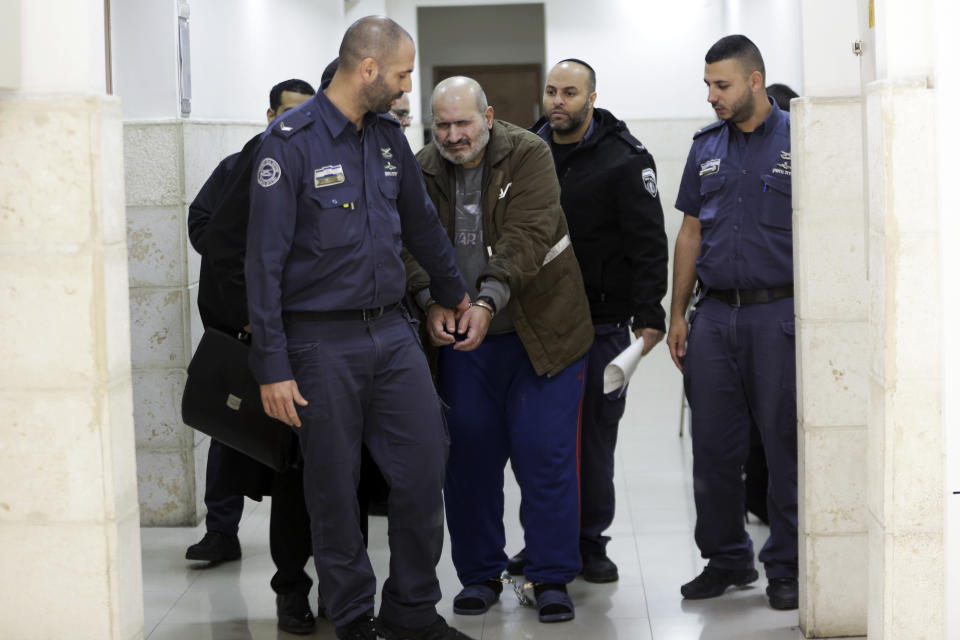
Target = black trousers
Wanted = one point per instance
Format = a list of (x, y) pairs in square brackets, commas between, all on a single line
[(224, 502), (290, 542)]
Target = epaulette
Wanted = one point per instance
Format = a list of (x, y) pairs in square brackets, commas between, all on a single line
[(634, 144), (389, 118), (709, 127), (292, 122)]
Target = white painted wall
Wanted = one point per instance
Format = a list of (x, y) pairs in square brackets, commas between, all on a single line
[(774, 26), (905, 47), (239, 49), (356, 9), (947, 52), (649, 54), (10, 72), (42, 49), (829, 29), (144, 56)]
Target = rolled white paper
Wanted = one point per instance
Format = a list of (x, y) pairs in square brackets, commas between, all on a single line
[(617, 374)]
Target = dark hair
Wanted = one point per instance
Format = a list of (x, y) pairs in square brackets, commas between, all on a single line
[(781, 94), (294, 85), (328, 73), (592, 75), (740, 48), (370, 37)]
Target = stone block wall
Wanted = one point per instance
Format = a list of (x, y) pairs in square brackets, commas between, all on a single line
[(832, 309), (69, 522), (167, 162), (904, 501)]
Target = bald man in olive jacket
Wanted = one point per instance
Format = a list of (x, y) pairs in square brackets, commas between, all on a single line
[(511, 370)]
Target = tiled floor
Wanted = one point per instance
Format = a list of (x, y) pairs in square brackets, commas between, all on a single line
[(652, 544)]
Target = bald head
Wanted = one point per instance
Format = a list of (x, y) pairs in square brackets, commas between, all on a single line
[(374, 37), (568, 98), (460, 91), (373, 69), (462, 120), (580, 68)]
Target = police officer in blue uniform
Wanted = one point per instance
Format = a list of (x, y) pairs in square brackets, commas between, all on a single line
[(336, 190), (737, 353)]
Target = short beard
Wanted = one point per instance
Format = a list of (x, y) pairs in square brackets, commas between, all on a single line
[(378, 96), (574, 120), (742, 110), (476, 148)]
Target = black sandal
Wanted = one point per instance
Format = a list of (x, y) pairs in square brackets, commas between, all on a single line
[(553, 602), (476, 599)]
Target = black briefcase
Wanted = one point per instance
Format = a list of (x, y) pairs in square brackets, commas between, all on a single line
[(222, 400)]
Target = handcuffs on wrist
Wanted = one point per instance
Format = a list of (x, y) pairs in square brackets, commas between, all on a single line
[(487, 303)]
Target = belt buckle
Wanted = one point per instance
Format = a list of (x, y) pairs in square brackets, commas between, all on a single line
[(736, 298), (371, 314)]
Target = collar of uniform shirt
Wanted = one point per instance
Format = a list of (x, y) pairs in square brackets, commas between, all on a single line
[(769, 123), (334, 120)]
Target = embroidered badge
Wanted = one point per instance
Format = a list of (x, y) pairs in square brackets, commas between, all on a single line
[(268, 173), (650, 181), (389, 169), (783, 167), (387, 153), (328, 175), (710, 166)]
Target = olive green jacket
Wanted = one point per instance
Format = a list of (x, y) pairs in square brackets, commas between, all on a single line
[(526, 241)]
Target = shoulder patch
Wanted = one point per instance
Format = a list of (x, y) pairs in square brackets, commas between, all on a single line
[(268, 173), (710, 127), (290, 124), (632, 142), (649, 177)]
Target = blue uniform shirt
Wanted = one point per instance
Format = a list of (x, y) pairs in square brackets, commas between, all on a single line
[(330, 208), (740, 191)]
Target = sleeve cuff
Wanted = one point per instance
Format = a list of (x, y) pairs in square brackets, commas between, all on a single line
[(498, 291), (449, 294), (649, 321), (271, 368), (423, 297)]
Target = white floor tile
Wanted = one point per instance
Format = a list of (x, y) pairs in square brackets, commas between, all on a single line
[(652, 545)]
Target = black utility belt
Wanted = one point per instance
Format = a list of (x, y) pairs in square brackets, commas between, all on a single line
[(740, 297), (364, 315)]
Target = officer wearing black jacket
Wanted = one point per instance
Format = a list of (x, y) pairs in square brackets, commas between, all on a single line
[(608, 190), (217, 228)]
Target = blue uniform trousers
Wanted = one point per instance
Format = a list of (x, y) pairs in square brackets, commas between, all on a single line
[(368, 381), (598, 438), (501, 409), (741, 367)]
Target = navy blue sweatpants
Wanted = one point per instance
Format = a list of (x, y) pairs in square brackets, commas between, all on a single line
[(501, 409), (741, 367), (368, 381)]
